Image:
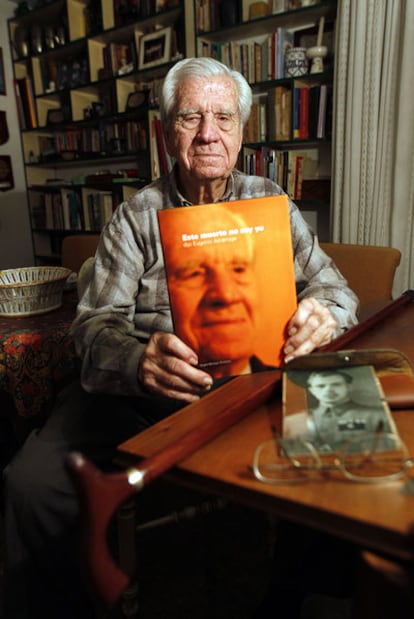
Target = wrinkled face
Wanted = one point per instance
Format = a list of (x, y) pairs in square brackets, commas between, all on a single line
[(331, 389), (213, 293), (206, 135)]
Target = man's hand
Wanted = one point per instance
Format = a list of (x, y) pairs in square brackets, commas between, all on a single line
[(312, 326), (167, 368)]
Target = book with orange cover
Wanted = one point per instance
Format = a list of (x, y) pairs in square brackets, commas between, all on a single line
[(231, 281)]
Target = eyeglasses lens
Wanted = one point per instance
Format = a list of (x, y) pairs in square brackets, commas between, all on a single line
[(374, 456), (273, 464)]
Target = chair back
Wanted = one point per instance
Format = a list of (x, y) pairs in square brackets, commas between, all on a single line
[(77, 248), (369, 269)]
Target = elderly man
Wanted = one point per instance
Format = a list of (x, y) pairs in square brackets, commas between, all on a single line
[(134, 369)]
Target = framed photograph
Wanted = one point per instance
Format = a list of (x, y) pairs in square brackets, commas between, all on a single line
[(155, 48), (2, 78), (333, 405)]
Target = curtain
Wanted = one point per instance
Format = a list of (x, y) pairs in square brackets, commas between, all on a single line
[(373, 144)]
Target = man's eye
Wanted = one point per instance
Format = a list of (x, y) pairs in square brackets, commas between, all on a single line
[(190, 274), (191, 120), (224, 118), (241, 268), (224, 121)]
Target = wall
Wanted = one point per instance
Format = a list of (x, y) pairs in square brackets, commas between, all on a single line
[(15, 235)]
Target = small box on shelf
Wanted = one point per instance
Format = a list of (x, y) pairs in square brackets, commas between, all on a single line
[(316, 189)]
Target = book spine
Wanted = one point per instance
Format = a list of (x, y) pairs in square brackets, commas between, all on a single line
[(31, 100), (155, 163), (86, 217), (296, 112), (298, 177), (291, 174), (161, 147), (19, 105), (304, 113), (320, 131), (313, 110)]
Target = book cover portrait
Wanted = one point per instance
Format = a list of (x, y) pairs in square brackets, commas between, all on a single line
[(231, 281)]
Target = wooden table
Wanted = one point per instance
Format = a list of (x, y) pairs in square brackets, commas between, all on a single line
[(377, 517)]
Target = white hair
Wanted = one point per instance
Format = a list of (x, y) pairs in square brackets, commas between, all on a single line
[(202, 68)]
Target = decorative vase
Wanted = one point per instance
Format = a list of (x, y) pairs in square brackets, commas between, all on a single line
[(317, 54), (296, 62)]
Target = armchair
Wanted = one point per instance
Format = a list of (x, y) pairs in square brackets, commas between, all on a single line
[(368, 269)]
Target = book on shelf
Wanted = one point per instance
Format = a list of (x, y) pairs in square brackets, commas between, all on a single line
[(285, 40), (298, 180), (301, 109), (320, 111), (256, 126), (19, 105), (279, 6), (279, 113), (287, 168), (48, 202), (155, 162), (231, 282), (135, 135), (97, 210), (304, 112), (161, 161), (252, 163), (321, 126), (164, 157), (291, 174), (38, 212), (259, 59), (73, 216), (25, 94), (207, 15), (296, 113), (54, 211)]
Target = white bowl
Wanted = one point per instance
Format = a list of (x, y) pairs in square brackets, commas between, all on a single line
[(31, 290)]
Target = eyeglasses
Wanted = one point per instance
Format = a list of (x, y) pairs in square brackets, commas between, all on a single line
[(370, 457), (192, 121)]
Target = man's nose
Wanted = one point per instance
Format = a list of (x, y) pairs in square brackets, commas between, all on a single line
[(222, 287), (208, 128)]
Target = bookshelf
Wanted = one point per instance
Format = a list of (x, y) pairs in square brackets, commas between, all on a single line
[(288, 137), (86, 82)]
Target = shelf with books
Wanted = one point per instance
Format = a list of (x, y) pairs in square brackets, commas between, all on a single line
[(280, 112), (81, 205), (210, 21), (289, 131), (287, 167), (86, 80), (107, 138)]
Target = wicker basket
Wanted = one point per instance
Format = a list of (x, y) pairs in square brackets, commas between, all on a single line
[(32, 290)]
